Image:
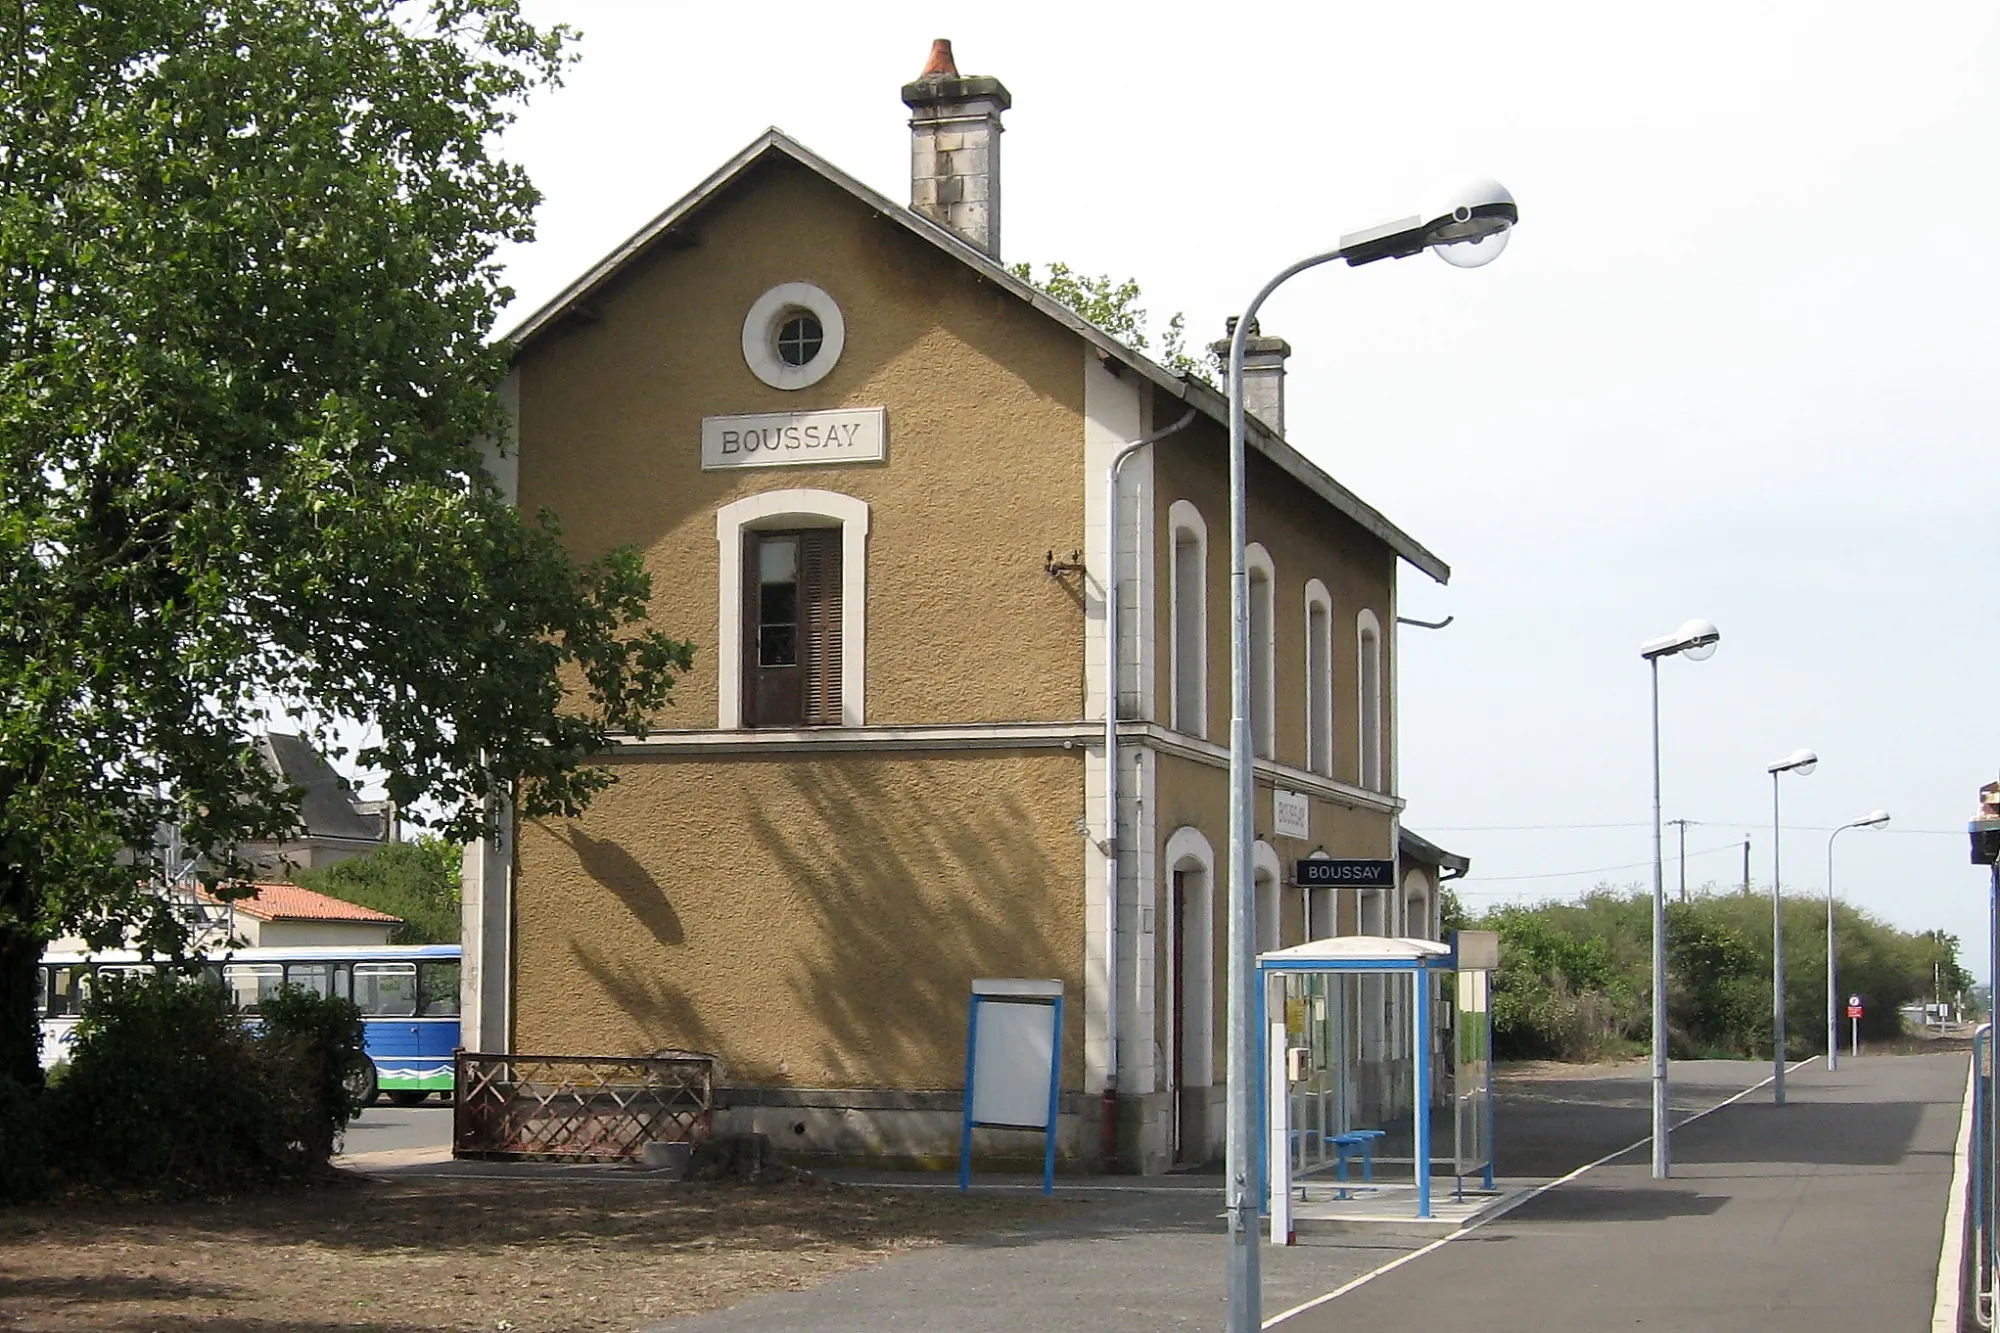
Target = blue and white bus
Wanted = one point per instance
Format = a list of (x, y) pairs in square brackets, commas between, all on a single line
[(407, 994)]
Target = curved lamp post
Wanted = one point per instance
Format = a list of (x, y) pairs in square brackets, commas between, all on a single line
[(1470, 230), (1801, 762), (1873, 819), (1696, 642)]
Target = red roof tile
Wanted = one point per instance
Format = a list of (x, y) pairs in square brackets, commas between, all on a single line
[(289, 902)]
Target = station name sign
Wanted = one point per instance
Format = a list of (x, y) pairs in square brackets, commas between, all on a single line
[(790, 439), (1320, 871)]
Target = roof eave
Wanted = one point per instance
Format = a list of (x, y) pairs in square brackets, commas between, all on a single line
[(1194, 392)]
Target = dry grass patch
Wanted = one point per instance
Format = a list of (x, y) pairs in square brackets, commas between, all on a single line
[(393, 1254)]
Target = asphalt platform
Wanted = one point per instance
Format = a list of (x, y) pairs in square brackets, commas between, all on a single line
[(1825, 1215)]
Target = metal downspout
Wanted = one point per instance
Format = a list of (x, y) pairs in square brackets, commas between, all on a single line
[(1111, 665)]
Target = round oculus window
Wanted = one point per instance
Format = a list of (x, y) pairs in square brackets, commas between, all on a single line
[(793, 335), (799, 338)]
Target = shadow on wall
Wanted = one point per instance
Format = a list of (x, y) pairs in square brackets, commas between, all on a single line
[(631, 883), (911, 895)]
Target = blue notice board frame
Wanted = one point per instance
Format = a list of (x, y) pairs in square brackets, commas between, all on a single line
[(1036, 994)]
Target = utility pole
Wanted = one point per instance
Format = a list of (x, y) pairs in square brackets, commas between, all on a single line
[(1746, 865), (1682, 824)]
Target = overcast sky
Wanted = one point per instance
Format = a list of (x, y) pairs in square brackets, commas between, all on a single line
[(1737, 362)]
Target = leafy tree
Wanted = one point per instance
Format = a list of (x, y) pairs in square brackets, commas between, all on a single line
[(247, 282), (417, 881), (1114, 307)]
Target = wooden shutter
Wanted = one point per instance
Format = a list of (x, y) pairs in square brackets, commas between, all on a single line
[(750, 616), (819, 624)]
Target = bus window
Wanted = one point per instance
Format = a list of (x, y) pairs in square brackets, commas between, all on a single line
[(250, 984), (385, 990), (437, 988), (67, 987), (322, 979)]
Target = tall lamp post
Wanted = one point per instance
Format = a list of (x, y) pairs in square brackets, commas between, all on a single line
[(1696, 642), (1801, 762), (1873, 819), (1469, 231)]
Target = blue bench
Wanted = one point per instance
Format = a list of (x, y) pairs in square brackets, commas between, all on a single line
[(1359, 1143)]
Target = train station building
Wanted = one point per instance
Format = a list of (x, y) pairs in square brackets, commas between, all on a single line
[(866, 467)]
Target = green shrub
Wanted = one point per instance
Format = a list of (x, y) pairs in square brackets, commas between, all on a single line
[(312, 1043), (170, 1089)]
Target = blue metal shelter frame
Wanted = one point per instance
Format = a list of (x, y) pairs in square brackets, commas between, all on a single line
[(1377, 955)]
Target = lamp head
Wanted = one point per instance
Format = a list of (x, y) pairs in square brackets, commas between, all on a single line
[(1801, 762), (1873, 819), (1694, 640), (1472, 228)]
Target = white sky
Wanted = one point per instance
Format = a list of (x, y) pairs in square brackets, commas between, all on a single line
[(1737, 362)]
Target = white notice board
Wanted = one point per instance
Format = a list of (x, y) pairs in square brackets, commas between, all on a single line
[(1010, 1062)]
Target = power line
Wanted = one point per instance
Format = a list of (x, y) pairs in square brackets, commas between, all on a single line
[(1600, 870)]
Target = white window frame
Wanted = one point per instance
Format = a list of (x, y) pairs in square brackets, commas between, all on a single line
[(1370, 747), (1183, 517), (791, 508), (1263, 590), (1267, 880), (1319, 680), (1189, 848)]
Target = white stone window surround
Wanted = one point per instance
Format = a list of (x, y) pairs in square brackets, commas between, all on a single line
[(1368, 692), (1189, 849), (1267, 878), (792, 508), (1319, 679), (1183, 519), (768, 314), (1263, 650)]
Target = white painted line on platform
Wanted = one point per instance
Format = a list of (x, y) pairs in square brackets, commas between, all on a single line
[(1511, 1205), (1947, 1305)]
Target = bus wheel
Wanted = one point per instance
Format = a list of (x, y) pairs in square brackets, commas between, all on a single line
[(360, 1084), (408, 1096)]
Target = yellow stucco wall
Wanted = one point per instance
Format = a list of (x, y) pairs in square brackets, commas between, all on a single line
[(1193, 794), (817, 922), (985, 446), (1306, 539)]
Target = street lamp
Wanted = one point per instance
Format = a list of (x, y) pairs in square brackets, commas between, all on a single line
[(1801, 762), (1470, 230), (1873, 819), (1696, 642)]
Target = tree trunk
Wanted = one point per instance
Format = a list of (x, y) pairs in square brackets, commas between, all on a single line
[(20, 990)]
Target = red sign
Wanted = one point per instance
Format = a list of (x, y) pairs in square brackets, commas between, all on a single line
[(1854, 1011)]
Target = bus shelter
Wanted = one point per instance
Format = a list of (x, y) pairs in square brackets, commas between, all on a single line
[(1335, 1071)]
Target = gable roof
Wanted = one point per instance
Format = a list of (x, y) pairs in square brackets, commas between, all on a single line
[(1196, 393), (289, 902), (329, 808)]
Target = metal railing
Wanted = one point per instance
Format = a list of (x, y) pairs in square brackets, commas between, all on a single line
[(579, 1108)]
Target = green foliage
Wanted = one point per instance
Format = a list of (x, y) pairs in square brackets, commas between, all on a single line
[(1114, 307), (1575, 979), (170, 1090), (248, 277), (417, 881), (312, 1043)]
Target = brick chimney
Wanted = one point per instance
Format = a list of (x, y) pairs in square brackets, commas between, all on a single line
[(1263, 373), (955, 148)]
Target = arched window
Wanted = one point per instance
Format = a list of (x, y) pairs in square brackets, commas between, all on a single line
[(791, 641), (1267, 876), (1322, 909), (1319, 678), (1417, 906), (1187, 579), (1190, 865), (1263, 651), (1368, 673)]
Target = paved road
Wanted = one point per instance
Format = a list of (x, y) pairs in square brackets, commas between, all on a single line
[(383, 1128), (1822, 1216)]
